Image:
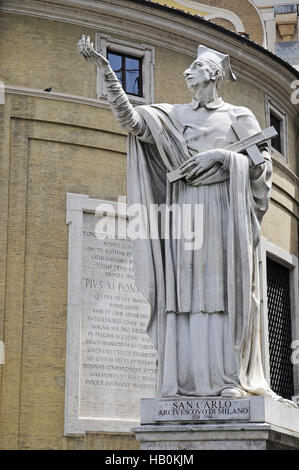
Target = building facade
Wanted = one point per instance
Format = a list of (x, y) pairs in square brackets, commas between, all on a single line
[(281, 25), (59, 136)]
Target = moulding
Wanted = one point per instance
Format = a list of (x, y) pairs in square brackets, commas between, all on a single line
[(162, 28), (77, 204), (274, 106), (290, 261), (215, 12), (284, 167), (143, 51), (38, 93), (102, 103)]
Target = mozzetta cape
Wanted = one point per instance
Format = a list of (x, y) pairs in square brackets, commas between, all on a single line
[(249, 193)]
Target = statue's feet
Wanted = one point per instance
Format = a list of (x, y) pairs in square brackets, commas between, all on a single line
[(231, 392)]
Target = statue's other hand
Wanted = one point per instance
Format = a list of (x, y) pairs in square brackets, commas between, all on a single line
[(86, 49), (201, 162)]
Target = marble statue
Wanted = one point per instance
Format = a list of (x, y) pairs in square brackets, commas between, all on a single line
[(205, 303)]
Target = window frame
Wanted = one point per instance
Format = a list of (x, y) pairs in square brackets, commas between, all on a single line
[(279, 113), (279, 136), (143, 52), (277, 254), (124, 70)]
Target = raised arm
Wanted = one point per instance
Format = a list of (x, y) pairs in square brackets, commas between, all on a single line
[(129, 119)]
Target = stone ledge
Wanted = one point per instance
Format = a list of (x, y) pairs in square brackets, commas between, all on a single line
[(264, 410), (231, 436)]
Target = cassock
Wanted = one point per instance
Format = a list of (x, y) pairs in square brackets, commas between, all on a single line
[(205, 302)]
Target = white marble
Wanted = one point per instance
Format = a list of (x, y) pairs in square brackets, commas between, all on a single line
[(271, 424), (194, 410), (205, 303), (111, 363), (260, 410), (245, 436), (117, 360), (295, 399)]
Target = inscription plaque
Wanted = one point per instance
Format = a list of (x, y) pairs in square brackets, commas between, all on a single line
[(111, 363), (202, 410), (117, 360)]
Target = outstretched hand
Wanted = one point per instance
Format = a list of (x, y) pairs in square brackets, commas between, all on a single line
[(86, 49), (201, 162)]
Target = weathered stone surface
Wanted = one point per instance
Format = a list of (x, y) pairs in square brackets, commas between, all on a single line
[(111, 363), (117, 361), (254, 409), (269, 424), (257, 436)]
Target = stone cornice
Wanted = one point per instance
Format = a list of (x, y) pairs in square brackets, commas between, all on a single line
[(172, 29), (283, 167), (36, 93)]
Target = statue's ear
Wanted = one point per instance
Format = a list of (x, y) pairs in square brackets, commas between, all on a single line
[(215, 75)]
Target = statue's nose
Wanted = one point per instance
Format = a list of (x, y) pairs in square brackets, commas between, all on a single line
[(187, 72)]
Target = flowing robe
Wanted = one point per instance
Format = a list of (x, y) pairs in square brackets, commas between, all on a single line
[(205, 315)]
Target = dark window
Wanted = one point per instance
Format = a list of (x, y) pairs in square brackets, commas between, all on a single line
[(281, 9), (279, 325), (128, 70), (275, 121)]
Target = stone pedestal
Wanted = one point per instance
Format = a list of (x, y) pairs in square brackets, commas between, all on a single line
[(255, 423)]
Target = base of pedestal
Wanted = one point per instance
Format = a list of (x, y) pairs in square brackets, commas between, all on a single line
[(214, 437), (214, 423)]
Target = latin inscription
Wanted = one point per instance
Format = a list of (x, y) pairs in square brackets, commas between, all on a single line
[(117, 360)]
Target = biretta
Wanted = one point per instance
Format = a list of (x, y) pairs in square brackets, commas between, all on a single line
[(220, 60)]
